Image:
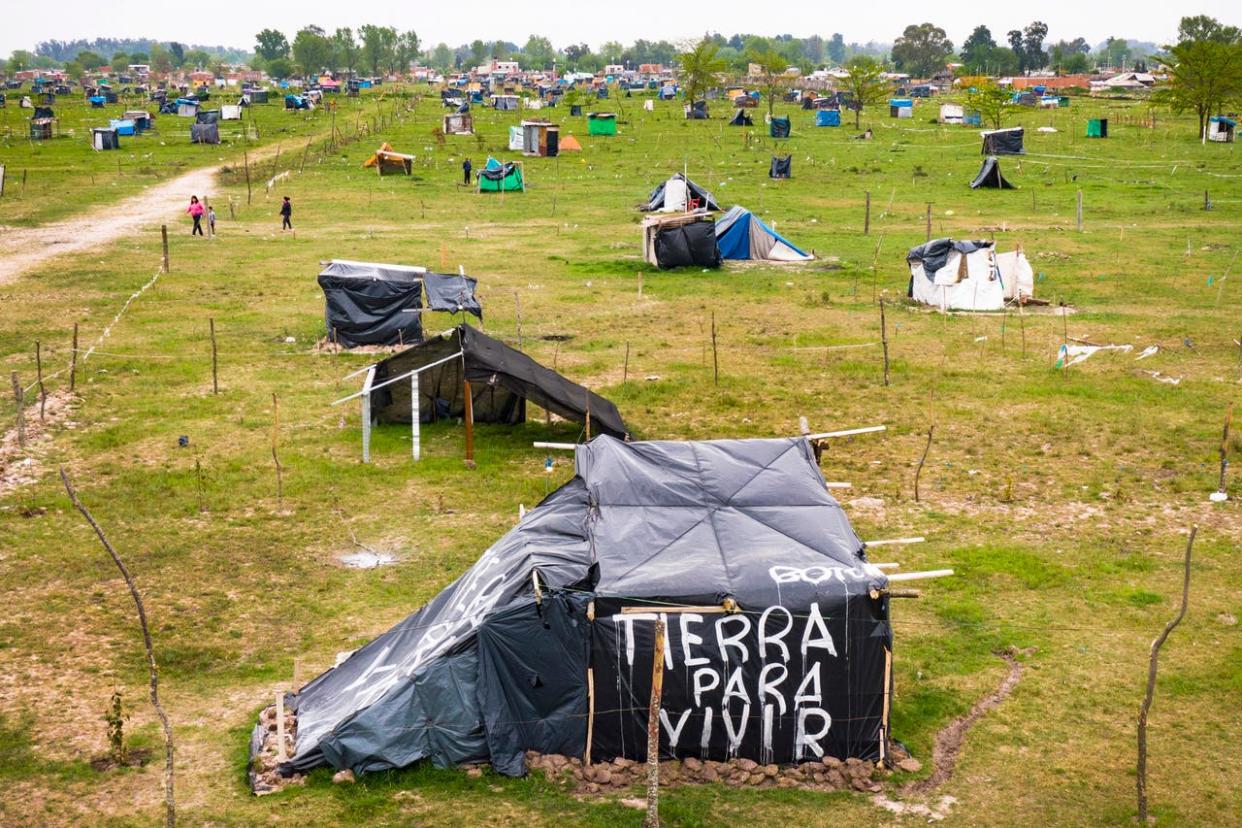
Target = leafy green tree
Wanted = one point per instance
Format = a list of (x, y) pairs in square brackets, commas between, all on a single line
[(279, 68), (21, 60), (442, 57), (1204, 75), (1034, 56), (813, 49), (1203, 27), (478, 52), (922, 50), (345, 49), (120, 62), (73, 70), (312, 50), (89, 60), (992, 103), (977, 49), (836, 48), (772, 77), (197, 59), (139, 58), (161, 59), (405, 52), (700, 65), (176, 52), (378, 44), (269, 45), (538, 52), (865, 85), (611, 51), (1014, 36)]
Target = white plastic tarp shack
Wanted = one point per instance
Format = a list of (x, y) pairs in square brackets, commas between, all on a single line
[(968, 275), (230, 112), (952, 114), (675, 192), (517, 142)]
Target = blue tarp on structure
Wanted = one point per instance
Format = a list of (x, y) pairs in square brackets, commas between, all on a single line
[(97, 100), (740, 234), (827, 118), (122, 127), (901, 102)]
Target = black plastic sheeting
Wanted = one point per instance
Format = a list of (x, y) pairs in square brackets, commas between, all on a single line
[(485, 671), (990, 176), (781, 167), (204, 133), (655, 201), (935, 254), (1004, 142), (691, 245), (779, 128), (207, 116), (501, 379), (742, 118), (698, 111)]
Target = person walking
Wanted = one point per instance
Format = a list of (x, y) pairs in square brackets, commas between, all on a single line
[(466, 167), (286, 215), (211, 221), (196, 212)]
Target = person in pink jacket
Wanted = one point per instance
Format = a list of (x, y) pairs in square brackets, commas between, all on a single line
[(196, 211)]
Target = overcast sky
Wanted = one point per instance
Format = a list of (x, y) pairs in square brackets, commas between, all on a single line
[(234, 22)]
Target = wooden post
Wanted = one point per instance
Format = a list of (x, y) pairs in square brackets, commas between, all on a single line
[(281, 755), (1079, 212), (73, 360), (215, 382), (653, 728), (246, 157), (919, 470), (164, 238), (517, 313), (929, 221), (19, 397), (1207, 203), (1022, 326), (588, 415), (302, 165), (366, 414), (625, 371), (867, 215), (640, 284), (469, 420), (884, 713), (1152, 666), (39, 376), (280, 488), (884, 340), (715, 359), (415, 404), (1224, 450)]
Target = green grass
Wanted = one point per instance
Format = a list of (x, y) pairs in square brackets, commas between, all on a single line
[(1060, 498)]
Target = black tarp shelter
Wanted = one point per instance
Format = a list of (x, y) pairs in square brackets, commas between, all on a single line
[(990, 176), (205, 133), (782, 167), (776, 650), (686, 244), (742, 118), (1004, 142), (780, 127), (368, 303)]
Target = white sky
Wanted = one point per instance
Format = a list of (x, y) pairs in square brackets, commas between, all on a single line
[(234, 22)]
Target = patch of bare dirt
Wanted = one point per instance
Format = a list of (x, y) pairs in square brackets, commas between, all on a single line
[(21, 466)]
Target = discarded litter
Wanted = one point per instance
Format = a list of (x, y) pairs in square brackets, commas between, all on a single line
[(368, 560)]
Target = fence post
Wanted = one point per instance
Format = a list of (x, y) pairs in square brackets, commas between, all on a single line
[(164, 239)]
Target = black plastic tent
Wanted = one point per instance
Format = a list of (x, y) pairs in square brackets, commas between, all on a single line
[(1004, 142), (205, 133), (775, 651), (990, 176), (501, 380), (376, 304), (742, 118), (688, 245), (779, 128), (697, 111), (655, 201), (782, 167)]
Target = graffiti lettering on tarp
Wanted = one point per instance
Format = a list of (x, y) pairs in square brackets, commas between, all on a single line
[(816, 575), (718, 669)]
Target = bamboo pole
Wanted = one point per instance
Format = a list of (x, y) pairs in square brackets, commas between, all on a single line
[(468, 417)]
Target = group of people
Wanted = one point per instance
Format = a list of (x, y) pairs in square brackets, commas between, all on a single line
[(198, 210)]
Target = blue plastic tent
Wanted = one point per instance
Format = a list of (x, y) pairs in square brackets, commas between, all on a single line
[(122, 127), (827, 118), (740, 234)]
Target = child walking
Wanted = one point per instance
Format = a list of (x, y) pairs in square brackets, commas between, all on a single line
[(286, 215)]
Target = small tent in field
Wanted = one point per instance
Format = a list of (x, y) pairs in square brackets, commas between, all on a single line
[(458, 123), (205, 133), (541, 139), (697, 111), (742, 118), (570, 144), (545, 643), (388, 161), (990, 177), (827, 117), (677, 195), (684, 240), (1097, 128), (781, 167), (517, 138), (1221, 129), (901, 108), (952, 114), (601, 123), (230, 112), (105, 139), (123, 126), (1004, 141), (740, 234), (968, 275), (496, 177), (780, 127)]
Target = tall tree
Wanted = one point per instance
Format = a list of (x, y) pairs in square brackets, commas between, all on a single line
[(836, 48), (120, 62), (977, 48), (611, 51), (269, 45), (1014, 36), (89, 60), (405, 51), (1203, 76), (865, 85), (312, 50), (813, 48), (1033, 53), (922, 50), (478, 52), (991, 101), (538, 52), (176, 53), (1203, 27), (700, 65), (345, 49), (161, 59), (442, 57), (378, 43), (772, 77)]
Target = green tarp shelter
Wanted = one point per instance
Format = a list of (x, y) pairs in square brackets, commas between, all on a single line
[(601, 123), (1097, 128), (497, 177)]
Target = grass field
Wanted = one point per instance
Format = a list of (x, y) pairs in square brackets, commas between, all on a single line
[(1061, 498)]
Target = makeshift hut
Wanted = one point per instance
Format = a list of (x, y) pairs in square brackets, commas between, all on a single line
[(901, 108), (685, 240), (827, 117), (781, 167), (459, 123), (505, 102), (601, 123), (540, 139), (496, 177), (256, 96), (1221, 129), (678, 195), (1097, 127), (97, 101), (388, 161), (230, 112), (122, 126), (1004, 142), (297, 102), (990, 177), (697, 111), (142, 120), (207, 116), (187, 108), (742, 118), (367, 303), (740, 234), (779, 127), (205, 133), (105, 139), (545, 644), (952, 114), (968, 275), (569, 144)]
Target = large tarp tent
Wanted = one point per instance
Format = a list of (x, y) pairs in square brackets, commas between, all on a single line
[(781, 167), (367, 303), (205, 133), (496, 177), (740, 234), (501, 379), (968, 275), (779, 128), (779, 653), (1097, 127), (742, 118), (1004, 141), (990, 176), (673, 195), (686, 244), (697, 111)]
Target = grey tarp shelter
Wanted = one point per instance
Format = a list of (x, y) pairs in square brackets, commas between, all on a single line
[(1004, 141), (205, 133), (762, 579), (990, 176)]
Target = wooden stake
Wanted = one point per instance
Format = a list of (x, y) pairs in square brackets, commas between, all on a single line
[(867, 215), (1224, 450), (517, 313), (625, 372), (468, 417), (918, 471), (1079, 212), (246, 157), (586, 754), (280, 487), (884, 340), (39, 376), (19, 397), (281, 755), (588, 415), (73, 360), (653, 728), (888, 689), (1151, 682), (929, 208), (164, 238), (715, 359), (215, 382)]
